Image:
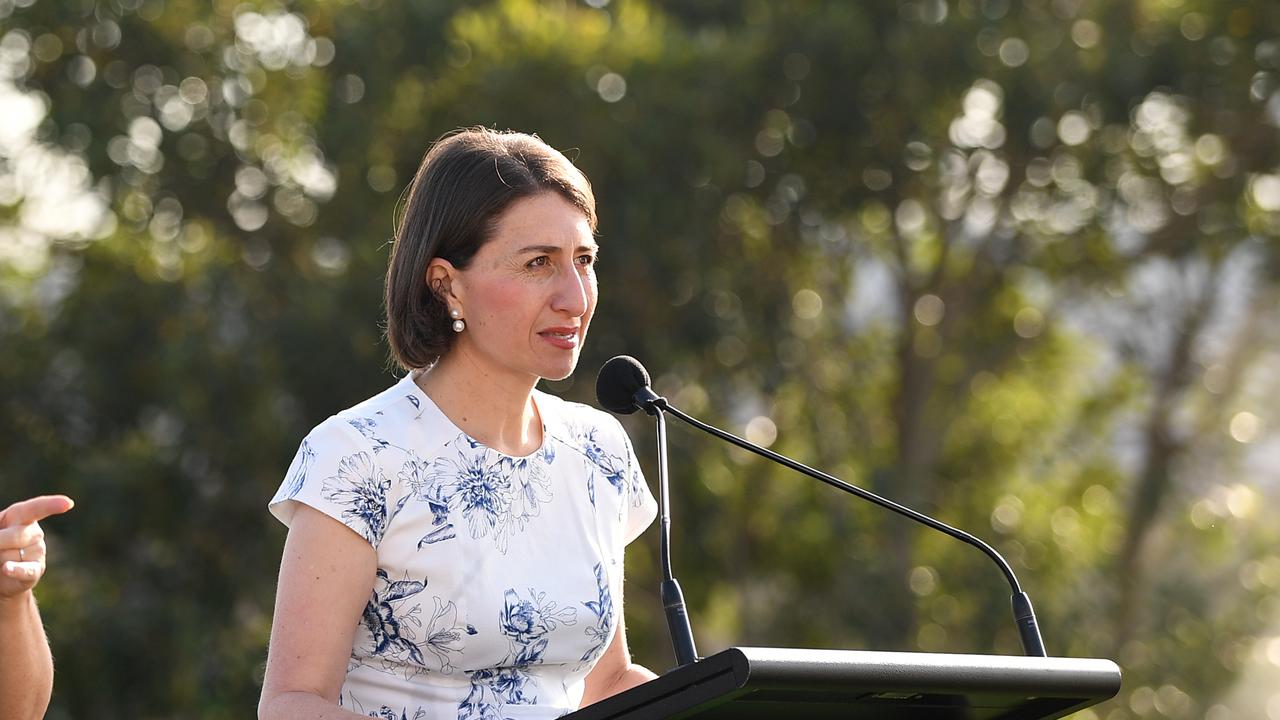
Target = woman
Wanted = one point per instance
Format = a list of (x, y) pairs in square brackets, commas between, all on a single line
[(455, 545)]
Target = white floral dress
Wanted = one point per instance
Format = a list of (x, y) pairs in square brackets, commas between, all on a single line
[(496, 578)]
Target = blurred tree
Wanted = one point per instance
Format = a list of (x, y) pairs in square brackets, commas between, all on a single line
[(1010, 262)]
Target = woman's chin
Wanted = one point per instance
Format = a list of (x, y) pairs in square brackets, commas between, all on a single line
[(559, 371), (557, 375)]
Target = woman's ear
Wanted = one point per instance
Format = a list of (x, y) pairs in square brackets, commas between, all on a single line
[(441, 280)]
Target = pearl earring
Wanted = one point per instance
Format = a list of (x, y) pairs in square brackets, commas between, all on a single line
[(458, 323)]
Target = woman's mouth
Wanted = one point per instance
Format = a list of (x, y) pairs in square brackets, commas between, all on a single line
[(563, 338)]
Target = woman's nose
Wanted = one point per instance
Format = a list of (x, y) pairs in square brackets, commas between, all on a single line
[(572, 293)]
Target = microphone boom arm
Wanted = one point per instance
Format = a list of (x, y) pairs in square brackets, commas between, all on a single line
[(1024, 615)]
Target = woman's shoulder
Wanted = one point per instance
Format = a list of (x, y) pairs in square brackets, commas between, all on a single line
[(379, 421), (568, 412), (402, 401), (581, 425)]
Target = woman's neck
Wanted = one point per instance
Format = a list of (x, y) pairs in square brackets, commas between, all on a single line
[(499, 411)]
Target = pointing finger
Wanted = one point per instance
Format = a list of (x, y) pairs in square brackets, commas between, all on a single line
[(35, 509)]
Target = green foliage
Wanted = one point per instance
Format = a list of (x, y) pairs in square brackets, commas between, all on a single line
[(1008, 261)]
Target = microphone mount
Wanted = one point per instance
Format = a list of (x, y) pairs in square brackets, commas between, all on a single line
[(682, 643), (649, 401), (623, 387)]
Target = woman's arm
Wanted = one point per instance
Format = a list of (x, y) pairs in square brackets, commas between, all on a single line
[(614, 672), (326, 576), (26, 667)]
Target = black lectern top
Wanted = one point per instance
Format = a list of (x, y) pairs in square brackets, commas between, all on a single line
[(792, 684)]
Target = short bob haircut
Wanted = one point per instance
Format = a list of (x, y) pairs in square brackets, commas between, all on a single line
[(467, 179)]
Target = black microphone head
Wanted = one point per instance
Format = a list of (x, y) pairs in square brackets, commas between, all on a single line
[(619, 380)]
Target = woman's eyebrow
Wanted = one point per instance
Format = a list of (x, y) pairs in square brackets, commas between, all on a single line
[(547, 249), (552, 249)]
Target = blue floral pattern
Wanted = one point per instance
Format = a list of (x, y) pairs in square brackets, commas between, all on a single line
[(495, 494), (482, 601), (384, 712), (292, 486), (530, 486), (599, 461), (365, 427), (398, 636), (445, 635), (602, 607), (391, 630), (526, 622), (360, 487)]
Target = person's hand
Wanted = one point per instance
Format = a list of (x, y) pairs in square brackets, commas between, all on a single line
[(22, 542)]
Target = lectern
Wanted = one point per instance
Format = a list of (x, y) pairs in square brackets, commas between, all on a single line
[(791, 684)]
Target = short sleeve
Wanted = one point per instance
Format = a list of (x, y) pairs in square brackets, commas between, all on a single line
[(337, 471), (641, 507)]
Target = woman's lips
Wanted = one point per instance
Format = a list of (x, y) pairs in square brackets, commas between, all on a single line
[(563, 338)]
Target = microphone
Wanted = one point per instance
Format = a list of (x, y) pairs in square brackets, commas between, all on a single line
[(628, 390), (623, 387)]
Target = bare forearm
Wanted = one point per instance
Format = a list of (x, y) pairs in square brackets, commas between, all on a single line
[(631, 676), (303, 705), (26, 680)]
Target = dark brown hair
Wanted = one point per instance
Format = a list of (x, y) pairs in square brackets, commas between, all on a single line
[(467, 179)]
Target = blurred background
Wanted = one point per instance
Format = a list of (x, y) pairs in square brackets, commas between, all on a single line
[(1014, 262)]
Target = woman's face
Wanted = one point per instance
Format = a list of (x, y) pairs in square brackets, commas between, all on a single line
[(529, 292)]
